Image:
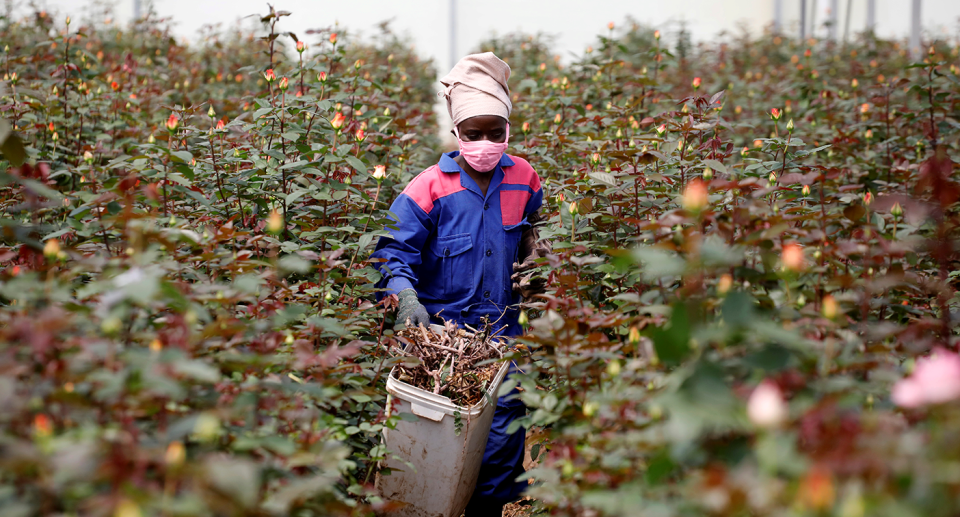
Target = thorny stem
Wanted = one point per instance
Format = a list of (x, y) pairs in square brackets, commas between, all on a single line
[(216, 171), (356, 252), (166, 171), (933, 125)]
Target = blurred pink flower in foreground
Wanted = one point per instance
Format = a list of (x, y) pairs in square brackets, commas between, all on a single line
[(935, 379), (766, 407)]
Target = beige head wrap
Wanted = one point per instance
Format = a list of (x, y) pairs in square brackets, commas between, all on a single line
[(477, 85)]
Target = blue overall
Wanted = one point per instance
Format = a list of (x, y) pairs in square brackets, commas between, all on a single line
[(456, 247)]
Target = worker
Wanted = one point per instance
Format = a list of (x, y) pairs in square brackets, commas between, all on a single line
[(464, 246)]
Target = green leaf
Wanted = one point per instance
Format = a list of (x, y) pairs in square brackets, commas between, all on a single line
[(673, 342), (183, 156), (658, 263), (177, 177), (715, 165), (604, 177), (739, 309), (356, 163), (527, 83), (364, 241), (10, 145), (659, 468), (771, 358)]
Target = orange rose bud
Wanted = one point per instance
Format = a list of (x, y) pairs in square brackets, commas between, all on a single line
[(172, 123), (269, 75), (333, 38), (301, 46), (322, 77), (696, 83), (695, 196), (360, 135), (792, 257), (816, 490), (775, 114), (42, 426), (337, 121), (284, 84), (896, 210)]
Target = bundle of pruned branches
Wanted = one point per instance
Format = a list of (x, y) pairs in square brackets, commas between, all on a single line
[(450, 361)]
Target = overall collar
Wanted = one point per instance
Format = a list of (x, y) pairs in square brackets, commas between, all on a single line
[(448, 165)]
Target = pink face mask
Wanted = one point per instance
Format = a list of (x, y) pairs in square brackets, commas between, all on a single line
[(483, 155)]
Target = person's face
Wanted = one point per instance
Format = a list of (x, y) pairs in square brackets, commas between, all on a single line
[(483, 127)]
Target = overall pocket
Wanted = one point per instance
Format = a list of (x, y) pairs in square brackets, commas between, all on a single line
[(456, 264)]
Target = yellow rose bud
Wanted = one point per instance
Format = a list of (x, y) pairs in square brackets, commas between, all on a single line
[(127, 508), (613, 369), (52, 248), (724, 284), (590, 408), (830, 307), (275, 222), (207, 427), (175, 454)]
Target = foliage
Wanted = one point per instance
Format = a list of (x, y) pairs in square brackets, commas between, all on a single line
[(767, 211), (186, 324), (187, 320)]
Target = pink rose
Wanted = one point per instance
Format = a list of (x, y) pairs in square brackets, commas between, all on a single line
[(935, 380), (766, 407)]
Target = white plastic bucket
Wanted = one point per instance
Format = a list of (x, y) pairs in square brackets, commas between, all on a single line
[(446, 466)]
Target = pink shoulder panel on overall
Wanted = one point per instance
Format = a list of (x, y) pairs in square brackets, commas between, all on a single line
[(521, 173), (512, 202), (431, 185)]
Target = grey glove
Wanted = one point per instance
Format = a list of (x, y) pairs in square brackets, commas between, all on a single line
[(411, 312), (527, 284), (531, 249)]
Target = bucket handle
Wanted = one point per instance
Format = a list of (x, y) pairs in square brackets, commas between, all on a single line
[(426, 412)]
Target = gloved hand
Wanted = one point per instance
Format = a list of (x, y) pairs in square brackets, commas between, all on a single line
[(531, 248), (529, 284), (411, 312)]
